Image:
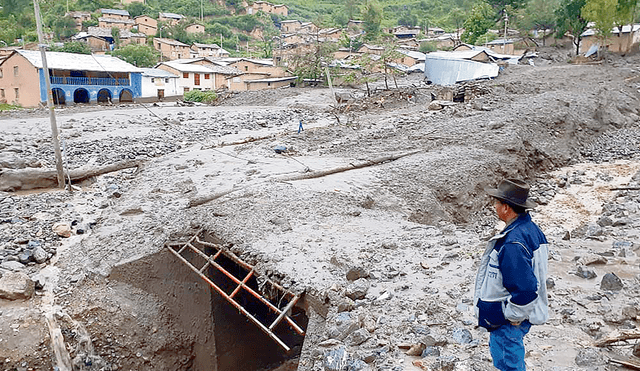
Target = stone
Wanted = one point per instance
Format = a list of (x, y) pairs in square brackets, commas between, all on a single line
[(25, 256), (622, 244), (62, 229), (358, 337), (550, 283), (336, 359), (605, 221), (636, 350), (462, 336), (346, 305), (357, 272), (435, 106), (344, 325), (12, 265), (431, 352), (416, 349), (592, 259), (358, 289), (16, 286), (39, 255), (585, 272), (589, 357), (611, 282), (567, 236)]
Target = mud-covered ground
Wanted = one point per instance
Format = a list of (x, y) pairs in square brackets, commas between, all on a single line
[(413, 227)]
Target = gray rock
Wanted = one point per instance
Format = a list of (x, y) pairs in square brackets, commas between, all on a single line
[(550, 283), (355, 273), (16, 286), (335, 360), (25, 256), (39, 255), (605, 221), (462, 336), (358, 337), (12, 265), (431, 352), (611, 282), (346, 305), (589, 357), (622, 244), (358, 289), (585, 272), (344, 325)]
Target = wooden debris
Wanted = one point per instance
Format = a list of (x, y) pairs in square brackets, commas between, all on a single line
[(12, 180), (618, 336), (626, 364)]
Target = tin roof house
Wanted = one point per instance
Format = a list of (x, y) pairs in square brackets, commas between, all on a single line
[(75, 78)]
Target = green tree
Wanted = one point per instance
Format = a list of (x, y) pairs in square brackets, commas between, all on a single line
[(408, 18), (540, 15), (598, 11), (457, 17), (478, 22), (115, 33), (63, 27), (138, 55), (500, 5), (372, 18), (93, 5), (625, 12), (569, 19), (388, 56), (311, 65), (76, 47), (137, 9)]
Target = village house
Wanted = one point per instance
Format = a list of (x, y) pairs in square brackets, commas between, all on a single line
[(501, 46), (355, 24), (308, 27), (283, 55), (207, 50), (146, 25), (343, 53), (195, 29), (191, 76), (221, 70), (371, 49), (294, 38), (115, 14), (158, 84), (171, 18), (441, 42), (618, 42), (409, 57), (236, 84), (101, 39), (290, 26), (267, 7), (75, 78), (256, 66), (171, 49), (115, 18), (330, 34), (409, 44), (79, 17)]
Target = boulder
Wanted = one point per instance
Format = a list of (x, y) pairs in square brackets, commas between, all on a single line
[(358, 289), (611, 282), (16, 286), (62, 229)]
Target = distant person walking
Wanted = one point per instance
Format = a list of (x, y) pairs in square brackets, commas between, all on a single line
[(510, 291)]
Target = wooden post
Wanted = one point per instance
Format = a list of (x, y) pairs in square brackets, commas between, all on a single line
[(52, 115)]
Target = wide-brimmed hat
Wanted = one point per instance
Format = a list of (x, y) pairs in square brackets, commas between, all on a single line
[(513, 191)]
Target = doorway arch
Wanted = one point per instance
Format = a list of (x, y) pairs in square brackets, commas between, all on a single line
[(58, 96), (81, 96), (126, 96), (104, 96)]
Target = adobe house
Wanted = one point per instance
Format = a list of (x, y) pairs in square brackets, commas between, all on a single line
[(97, 44), (171, 18), (220, 69), (158, 84), (308, 27), (290, 26), (171, 49), (280, 9), (267, 7), (269, 83), (195, 28), (100, 39), (410, 58), (75, 78), (125, 24), (190, 76), (371, 49), (330, 34), (618, 42), (207, 50), (115, 14), (78, 18), (355, 24), (146, 25), (501, 46), (262, 66)]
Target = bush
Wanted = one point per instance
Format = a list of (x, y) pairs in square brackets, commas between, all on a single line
[(208, 96), (428, 47)]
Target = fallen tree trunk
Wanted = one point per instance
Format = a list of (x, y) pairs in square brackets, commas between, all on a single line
[(23, 179), (367, 163), (627, 364)]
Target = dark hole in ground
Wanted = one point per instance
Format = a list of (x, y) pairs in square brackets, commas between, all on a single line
[(224, 338)]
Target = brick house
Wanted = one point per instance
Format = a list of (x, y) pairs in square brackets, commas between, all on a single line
[(171, 49), (146, 25), (195, 29), (171, 18)]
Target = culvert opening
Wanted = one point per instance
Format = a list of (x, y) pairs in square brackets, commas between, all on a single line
[(257, 323)]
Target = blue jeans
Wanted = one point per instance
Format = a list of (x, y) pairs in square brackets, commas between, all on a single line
[(507, 347)]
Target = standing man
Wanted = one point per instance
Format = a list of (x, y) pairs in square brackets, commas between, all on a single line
[(510, 291)]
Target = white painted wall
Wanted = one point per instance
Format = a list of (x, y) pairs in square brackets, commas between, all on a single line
[(150, 88)]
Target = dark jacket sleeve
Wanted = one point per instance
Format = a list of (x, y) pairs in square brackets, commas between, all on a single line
[(517, 273)]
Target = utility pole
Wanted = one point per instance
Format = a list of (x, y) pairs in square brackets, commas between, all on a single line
[(201, 11), (504, 39), (52, 115)]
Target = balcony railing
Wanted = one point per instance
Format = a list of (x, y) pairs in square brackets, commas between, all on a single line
[(66, 80)]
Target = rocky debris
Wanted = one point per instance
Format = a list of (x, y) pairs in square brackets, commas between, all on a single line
[(611, 282), (590, 357), (16, 286)]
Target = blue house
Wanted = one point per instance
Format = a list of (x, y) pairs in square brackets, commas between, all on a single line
[(75, 78)]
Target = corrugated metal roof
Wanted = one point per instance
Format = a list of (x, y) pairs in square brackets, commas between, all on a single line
[(463, 54), (156, 72), (114, 11), (78, 62), (448, 71), (500, 42), (198, 68), (171, 15), (413, 54), (106, 33), (116, 20), (213, 46), (170, 41), (273, 79)]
